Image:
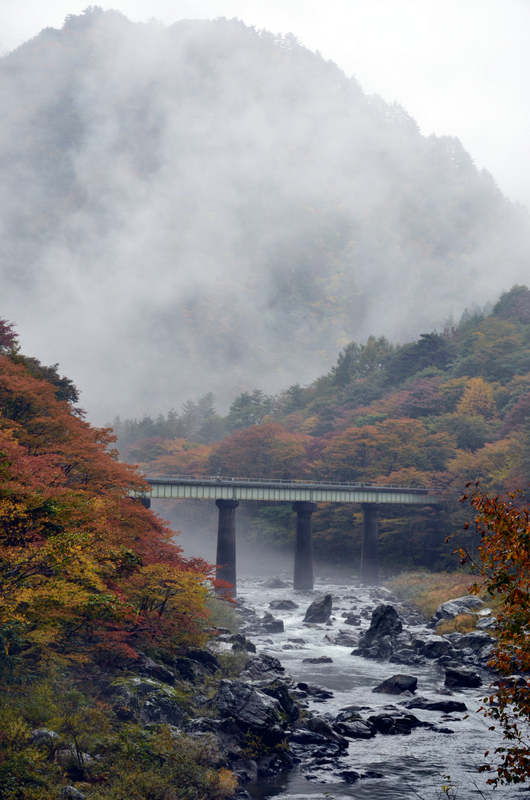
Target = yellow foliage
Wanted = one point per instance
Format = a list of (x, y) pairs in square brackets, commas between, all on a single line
[(462, 623), (427, 590), (477, 399)]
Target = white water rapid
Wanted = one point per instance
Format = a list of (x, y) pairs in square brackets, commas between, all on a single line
[(418, 765)]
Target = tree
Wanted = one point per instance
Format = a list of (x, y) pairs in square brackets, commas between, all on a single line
[(262, 451), (514, 304), (84, 569), (8, 337), (503, 569), (359, 361), (373, 452), (477, 399), (248, 409)]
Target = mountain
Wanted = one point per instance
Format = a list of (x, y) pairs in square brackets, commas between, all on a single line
[(208, 207), (442, 412)]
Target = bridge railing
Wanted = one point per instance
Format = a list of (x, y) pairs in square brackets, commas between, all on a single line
[(282, 482)]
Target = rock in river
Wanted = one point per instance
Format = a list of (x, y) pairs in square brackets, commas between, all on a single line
[(385, 622), (271, 624), (446, 706), (252, 709), (461, 676), (397, 684), (282, 605), (319, 610)]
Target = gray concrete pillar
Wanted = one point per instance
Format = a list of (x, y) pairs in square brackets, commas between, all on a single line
[(303, 554), (226, 542), (370, 546)]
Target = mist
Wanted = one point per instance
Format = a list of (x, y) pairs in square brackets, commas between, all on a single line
[(207, 207)]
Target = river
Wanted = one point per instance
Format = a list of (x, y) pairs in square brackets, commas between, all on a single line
[(418, 765)]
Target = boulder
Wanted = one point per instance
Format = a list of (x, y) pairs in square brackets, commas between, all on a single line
[(252, 709), (275, 583), (395, 722), (271, 624), (446, 706), (407, 656), (346, 639), (317, 692), (377, 648), (318, 725), (352, 618), (397, 684), (461, 677), (303, 736), (385, 622), (460, 605), (282, 605), (319, 610), (280, 691), (147, 699), (146, 666), (262, 666), (43, 736), (432, 646), (487, 623), (71, 793), (476, 640), (319, 660), (356, 729), (186, 668), (206, 659), (350, 775), (72, 760), (240, 642)]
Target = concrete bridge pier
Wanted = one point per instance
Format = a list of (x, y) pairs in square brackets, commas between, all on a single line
[(370, 545), (303, 554), (226, 542)]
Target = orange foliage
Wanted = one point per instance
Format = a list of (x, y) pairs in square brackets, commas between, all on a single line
[(503, 566), (266, 450), (373, 452), (82, 565)]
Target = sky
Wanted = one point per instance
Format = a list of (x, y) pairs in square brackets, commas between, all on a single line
[(459, 68)]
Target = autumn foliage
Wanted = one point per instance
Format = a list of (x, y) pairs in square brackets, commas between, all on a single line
[(85, 570), (502, 565)]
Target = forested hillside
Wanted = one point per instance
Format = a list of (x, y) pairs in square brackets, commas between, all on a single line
[(446, 409), (91, 586), (208, 207)]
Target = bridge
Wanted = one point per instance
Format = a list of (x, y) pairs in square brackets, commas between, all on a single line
[(304, 496)]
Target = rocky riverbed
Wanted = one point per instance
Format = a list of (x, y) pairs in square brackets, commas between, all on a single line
[(367, 701), (339, 692)]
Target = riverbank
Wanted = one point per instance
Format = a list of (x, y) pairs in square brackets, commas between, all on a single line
[(285, 707)]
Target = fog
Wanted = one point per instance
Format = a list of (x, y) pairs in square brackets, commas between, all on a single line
[(205, 207)]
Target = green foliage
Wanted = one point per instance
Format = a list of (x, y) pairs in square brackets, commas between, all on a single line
[(89, 746), (222, 614), (440, 411), (248, 409), (514, 304), (360, 361)]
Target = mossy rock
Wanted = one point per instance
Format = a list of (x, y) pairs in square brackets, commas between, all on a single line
[(148, 701)]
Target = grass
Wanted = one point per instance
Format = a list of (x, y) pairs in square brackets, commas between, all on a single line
[(463, 623), (427, 590)]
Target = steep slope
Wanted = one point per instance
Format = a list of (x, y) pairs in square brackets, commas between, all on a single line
[(442, 411), (212, 207)]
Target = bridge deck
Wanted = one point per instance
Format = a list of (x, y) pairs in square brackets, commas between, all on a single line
[(213, 488)]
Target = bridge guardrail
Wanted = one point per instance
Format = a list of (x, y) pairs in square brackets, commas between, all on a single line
[(282, 482)]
